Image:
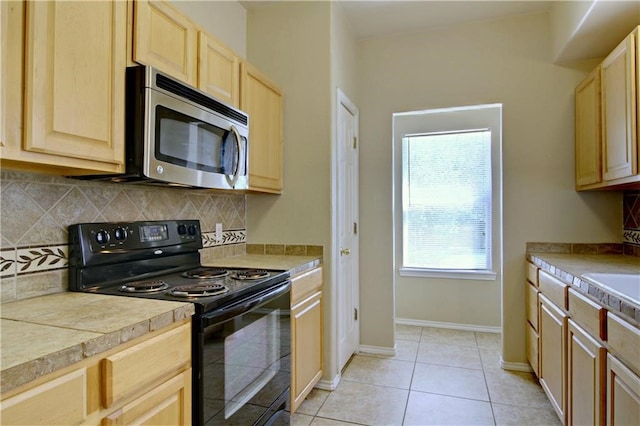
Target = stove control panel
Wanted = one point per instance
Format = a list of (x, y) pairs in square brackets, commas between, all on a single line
[(152, 238)]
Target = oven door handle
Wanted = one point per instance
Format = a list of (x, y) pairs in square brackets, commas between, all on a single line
[(245, 305)]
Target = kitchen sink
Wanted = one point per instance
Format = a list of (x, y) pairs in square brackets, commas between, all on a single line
[(624, 284)]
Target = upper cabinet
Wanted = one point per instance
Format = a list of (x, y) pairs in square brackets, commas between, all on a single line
[(165, 39), (62, 84), (262, 100), (606, 121), (618, 79), (218, 70), (70, 118)]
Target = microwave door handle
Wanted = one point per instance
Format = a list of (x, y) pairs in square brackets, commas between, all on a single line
[(236, 173)]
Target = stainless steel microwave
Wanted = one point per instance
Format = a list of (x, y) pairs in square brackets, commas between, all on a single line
[(178, 135)]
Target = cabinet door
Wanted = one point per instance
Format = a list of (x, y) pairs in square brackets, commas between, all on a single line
[(623, 394), (553, 332), (618, 111), (588, 132), (165, 39), (218, 70), (61, 401), (262, 100), (167, 404), (585, 378), (75, 57), (306, 347)]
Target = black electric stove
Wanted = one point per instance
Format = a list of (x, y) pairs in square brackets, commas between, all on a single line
[(242, 315), (157, 260)]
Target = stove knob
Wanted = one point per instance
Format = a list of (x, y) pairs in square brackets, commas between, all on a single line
[(182, 229), (192, 230), (120, 234), (102, 237)]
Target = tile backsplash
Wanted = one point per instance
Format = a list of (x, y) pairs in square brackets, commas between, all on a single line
[(36, 210), (631, 221)]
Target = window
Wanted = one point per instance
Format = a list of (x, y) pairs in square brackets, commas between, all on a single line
[(446, 189), (446, 200)]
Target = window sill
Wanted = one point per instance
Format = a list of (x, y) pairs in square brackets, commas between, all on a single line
[(448, 273)]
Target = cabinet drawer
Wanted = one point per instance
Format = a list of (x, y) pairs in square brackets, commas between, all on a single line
[(624, 340), (304, 285), (554, 289), (167, 404), (135, 368), (61, 401), (532, 348), (588, 314), (532, 305), (532, 273)]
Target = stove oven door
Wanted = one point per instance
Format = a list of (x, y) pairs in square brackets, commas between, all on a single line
[(243, 361)]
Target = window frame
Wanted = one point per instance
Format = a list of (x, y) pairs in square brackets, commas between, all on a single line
[(447, 120)]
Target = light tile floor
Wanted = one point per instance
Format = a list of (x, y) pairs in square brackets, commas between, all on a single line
[(438, 377)]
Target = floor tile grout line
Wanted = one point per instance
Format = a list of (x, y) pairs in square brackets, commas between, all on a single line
[(486, 384)]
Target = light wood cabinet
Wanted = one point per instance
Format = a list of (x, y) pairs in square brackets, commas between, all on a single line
[(306, 334), (145, 381), (167, 404), (533, 315), (263, 101), (588, 131), (553, 332), (623, 394), (618, 111), (60, 401), (585, 378), (73, 103), (165, 39), (218, 70), (607, 121)]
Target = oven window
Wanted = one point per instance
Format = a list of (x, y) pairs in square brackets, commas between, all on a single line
[(189, 142), (246, 365)]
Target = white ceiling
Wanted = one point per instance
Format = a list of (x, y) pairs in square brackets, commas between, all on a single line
[(376, 18)]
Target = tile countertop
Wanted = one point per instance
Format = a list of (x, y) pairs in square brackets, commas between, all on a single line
[(570, 267), (294, 264), (43, 334)]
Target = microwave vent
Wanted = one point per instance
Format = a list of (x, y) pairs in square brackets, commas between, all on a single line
[(199, 98)]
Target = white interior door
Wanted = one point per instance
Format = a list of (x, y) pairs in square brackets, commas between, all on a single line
[(347, 228)]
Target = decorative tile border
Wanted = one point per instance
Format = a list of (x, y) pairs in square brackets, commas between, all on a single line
[(631, 236), (28, 260), (237, 236), (39, 259), (7, 262)]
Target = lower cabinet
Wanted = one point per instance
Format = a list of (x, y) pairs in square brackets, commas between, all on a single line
[(306, 334), (146, 381), (623, 394), (586, 358), (585, 377), (167, 404), (553, 331)]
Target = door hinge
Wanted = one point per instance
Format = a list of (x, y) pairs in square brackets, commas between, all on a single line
[(355, 228), (355, 314), (355, 142)]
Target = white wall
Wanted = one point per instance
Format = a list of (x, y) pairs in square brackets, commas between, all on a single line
[(507, 61), (225, 20)]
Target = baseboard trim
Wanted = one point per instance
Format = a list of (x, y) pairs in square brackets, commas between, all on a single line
[(451, 325), (515, 366), (329, 385), (378, 350)]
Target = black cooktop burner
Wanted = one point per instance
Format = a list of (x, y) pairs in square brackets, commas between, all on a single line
[(198, 290), (249, 274), (144, 286), (205, 273)]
